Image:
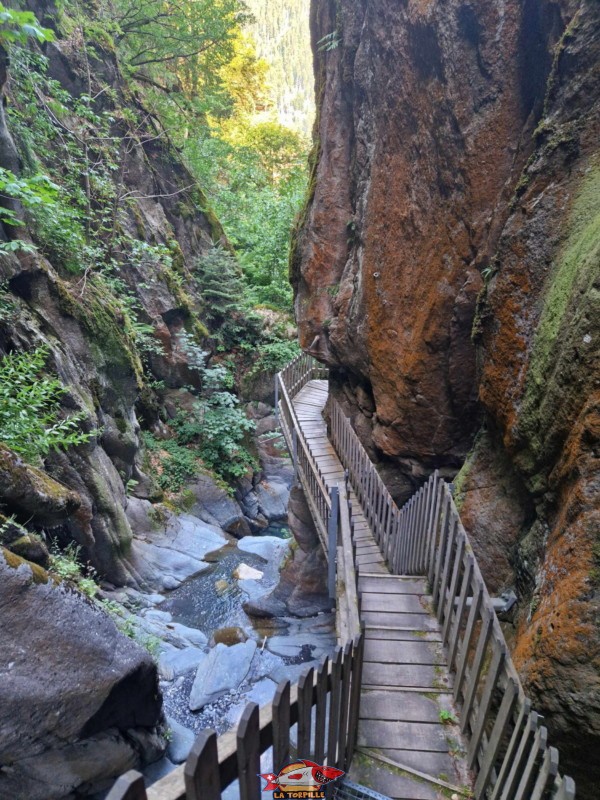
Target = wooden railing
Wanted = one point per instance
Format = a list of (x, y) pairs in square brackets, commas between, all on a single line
[(324, 706), (287, 385), (508, 747)]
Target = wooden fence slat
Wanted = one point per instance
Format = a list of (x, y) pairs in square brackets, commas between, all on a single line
[(436, 531), (450, 600), (491, 682), (547, 774), (540, 745), (201, 771), (466, 640), (420, 566), (460, 610), (446, 508), (305, 698), (321, 716), (281, 726), (334, 706), (353, 717), (248, 753), (511, 694), (566, 789), (344, 704), (129, 786), (448, 560), (523, 749), (476, 666), (511, 750)]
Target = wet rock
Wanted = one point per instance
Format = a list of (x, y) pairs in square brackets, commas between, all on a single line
[(102, 685), (245, 572), (32, 493), (229, 636), (293, 645), (166, 558), (215, 506), (265, 607), (224, 669), (271, 548), (174, 662), (159, 769), (180, 743), (272, 496)]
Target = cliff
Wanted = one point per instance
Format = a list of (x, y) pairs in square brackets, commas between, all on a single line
[(447, 268)]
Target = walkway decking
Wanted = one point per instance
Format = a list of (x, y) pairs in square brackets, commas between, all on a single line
[(406, 686)]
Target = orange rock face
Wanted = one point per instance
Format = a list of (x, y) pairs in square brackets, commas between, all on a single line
[(457, 158)]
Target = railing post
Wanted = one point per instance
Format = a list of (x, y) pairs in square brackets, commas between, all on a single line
[(277, 398), (295, 453), (332, 541)]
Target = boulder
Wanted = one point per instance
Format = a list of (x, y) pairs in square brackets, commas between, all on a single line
[(271, 548), (273, 496), (73, 690), (180, 741), (174, 662), (215, 506), (229, 636), (223, 670), (247, 573)]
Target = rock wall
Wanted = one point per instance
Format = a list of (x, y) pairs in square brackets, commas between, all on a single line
[(447, 269), (87, 711)]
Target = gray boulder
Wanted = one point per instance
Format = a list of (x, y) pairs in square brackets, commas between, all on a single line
[(215, 506), (224, 669), (180, 743), (273, 496), (174, 662), (271, 548), (74, 691)]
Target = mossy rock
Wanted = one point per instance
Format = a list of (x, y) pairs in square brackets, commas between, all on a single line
[(38, 574)]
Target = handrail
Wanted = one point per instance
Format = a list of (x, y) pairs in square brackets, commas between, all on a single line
[(508, 747), (324, 705)]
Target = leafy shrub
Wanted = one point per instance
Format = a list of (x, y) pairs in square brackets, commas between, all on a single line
[(178, 464), (65, 564), (219, 428), (30, 414), (272, 356)]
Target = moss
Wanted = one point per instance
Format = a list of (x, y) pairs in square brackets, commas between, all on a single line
[(38, 574), (570, 281), (101, 316)]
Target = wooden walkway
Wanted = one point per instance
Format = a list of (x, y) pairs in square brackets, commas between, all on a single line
[(408, 747)]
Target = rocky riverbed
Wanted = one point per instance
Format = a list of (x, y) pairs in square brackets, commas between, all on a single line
[(211, 610)]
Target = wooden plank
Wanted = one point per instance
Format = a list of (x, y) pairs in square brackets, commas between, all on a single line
[(390, 783), (398, 586), (383, 651), (458, 560), (540, 744), (476, 666), (416, 772), (344, 705), (248, 753), (460, 609), (417, 736), (396, 603), (419, 622), (422, 676), (466, 640), (401, 634), (399, 706), (490, 686), (201, 771), (434, 764)]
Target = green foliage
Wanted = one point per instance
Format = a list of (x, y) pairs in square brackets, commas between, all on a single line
[(19, 26), (65, 564), (178, 464), (330, 41), (223, 291), (31, 422), (218, 427), (272, 356), (447, 717)]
